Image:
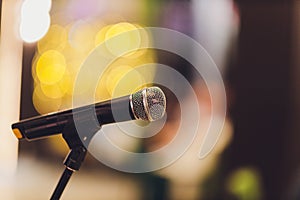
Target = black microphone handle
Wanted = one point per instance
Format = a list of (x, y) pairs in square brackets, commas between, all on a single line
[(110, 111)]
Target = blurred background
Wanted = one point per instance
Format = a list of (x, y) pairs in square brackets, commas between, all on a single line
[(255, 45)]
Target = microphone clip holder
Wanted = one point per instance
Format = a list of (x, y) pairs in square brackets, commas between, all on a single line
[(74, 158)]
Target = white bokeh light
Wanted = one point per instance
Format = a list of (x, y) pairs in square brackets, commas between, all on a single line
[(35, 19)]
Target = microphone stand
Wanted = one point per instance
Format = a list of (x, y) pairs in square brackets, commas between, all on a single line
[(72, 162), (74, 158)]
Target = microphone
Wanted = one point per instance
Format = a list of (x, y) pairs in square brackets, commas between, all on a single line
[(148, 104)]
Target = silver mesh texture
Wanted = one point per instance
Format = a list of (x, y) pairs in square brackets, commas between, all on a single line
[(148, 104), (156, 103), (137, 105)]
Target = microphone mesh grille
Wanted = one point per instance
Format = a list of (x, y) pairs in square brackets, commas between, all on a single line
[(156, 101), (138, 105), (149, 104)]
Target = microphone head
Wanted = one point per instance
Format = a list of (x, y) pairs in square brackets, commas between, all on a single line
[(148, 104)]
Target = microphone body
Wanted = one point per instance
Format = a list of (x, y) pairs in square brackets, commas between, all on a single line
[(132, 107)]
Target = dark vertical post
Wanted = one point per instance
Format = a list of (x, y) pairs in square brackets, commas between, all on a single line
[(262, 84)]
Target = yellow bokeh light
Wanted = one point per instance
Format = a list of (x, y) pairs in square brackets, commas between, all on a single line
[(144, 45), (59, 89), (58, 145), (50, 67), (44, 104), (84, 84), (100, 36), (81, 35), (66, 102), (63, 50), (55, 39), (70, 53), (52, 91), (142, 64), (73, 65), (66, 84), (122, 38), (101, 93), (123, 80), (245, 183), (146, 64)]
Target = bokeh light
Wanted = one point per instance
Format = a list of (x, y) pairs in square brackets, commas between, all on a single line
[(50, 67), (123, 80), (42, 6), (57, 90), (245, 184), (33, 30), (35, 19), (81, 35), (145, 41), (55, 39), (44, 104), (122, 37), (61, 52), (52, 91), (100, 36)]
